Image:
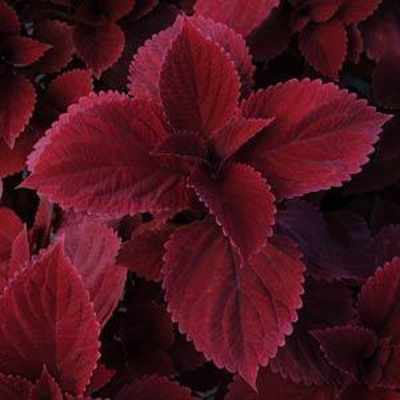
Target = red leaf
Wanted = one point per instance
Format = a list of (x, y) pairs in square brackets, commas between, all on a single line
[(199, 84), (143, 254), (23, 50), (9, 22), (96, 159), (241, 15), (20, 255), (346, 347), (101, 377), (320, 137), (59, 35), (46, 388), (99, 47), (145, 69), (93, 248), (113, 10), (14, 388), (379, 302), (362, 392), (241, 201), (16, 106), (68, 88), (153, 388), (236, 316), (356, 11), (301, 360), (47, 319), (324, 46), (272, 386)]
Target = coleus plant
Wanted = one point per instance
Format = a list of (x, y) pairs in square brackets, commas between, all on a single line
[(188, 138)]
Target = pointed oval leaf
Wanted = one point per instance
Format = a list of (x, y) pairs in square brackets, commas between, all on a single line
[(242, 203), (96, 158), (93, 248), (199, 84), (23, 51), (46, 388), (320, 137), (241, 15), (9, 22), (356, 11), (47, 319), (238, 317)]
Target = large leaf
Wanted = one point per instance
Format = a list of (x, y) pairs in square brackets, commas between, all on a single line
[(47, 319), (242, 203), (199, 84), (320, 137), (238, 317), (241, 15), (96, 158)]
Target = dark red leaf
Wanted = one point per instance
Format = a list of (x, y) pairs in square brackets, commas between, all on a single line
[(356, 11), (153, 388), (99, 47), (238, 317), (355, 45), (199, 84), (362, 392), (93, 248), (59, 35), (241, 15), (68, 88), (111, 10), (242, 203), (14, 388), (102, 163), (47, 319), (23, 51), (9, 22), (101, 377), (324, 46), (16, 106), (320, 136)]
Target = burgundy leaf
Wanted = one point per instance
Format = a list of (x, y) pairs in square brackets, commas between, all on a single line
[(355, 44), (273, 386), (16, 106), (9, 22), (58, 35), (99, 47), (243, 16), (47, 319), (23, 50), (102, 163), (199, 84), (346, 347), (153, 388), (101, 377), (362, 392), (320, 137), (46, 388), (145, 69), (356, 11), (112, 9), (93, 248), (14, 388), (238, 317), (68, 88), (324, 46), (242, 203), (379, 301)]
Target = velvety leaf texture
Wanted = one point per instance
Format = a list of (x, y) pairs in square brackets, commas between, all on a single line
[(245, 312)]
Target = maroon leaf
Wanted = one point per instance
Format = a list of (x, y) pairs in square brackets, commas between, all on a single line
[(145, 69), (68, 88), (14, 388), (23, 51), (102, 163), (236, 316), (320, 137), (271, 385), (9, 22), (16, 106), (47, 319), (242, 203), (58, 35), (346, 347), (154, 388), (99, 47), (46, 388), (112, 9), (101, 377), (362, 392), (199, 84), (379, 301), (242, 16), (356, 11), (324, 46)]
